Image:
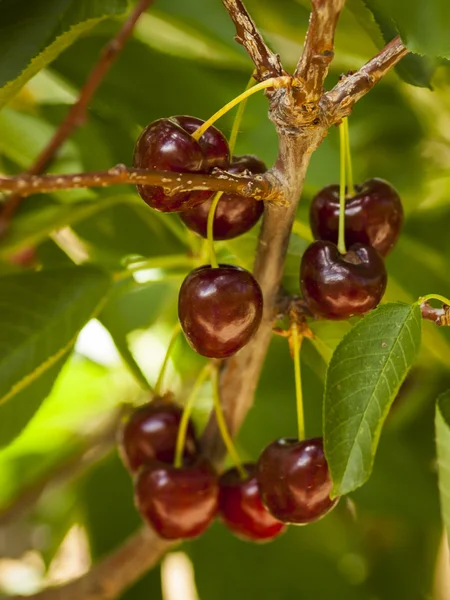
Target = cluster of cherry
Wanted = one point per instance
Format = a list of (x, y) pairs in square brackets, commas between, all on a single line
[(220, 308)]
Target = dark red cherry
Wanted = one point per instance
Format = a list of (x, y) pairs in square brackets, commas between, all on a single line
[(219, 309), (151, 432), (294, 481), (241, 509), (373, 216), (336, 286), (178, 503), (167, 145), (234, 214)]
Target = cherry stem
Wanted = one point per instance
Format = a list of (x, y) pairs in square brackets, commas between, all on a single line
[(442, 299), (296, 345), (184, 422), (210, 230), (173, 338), (231, 144), (348, 157), (222, 425), (341, 236), (274, 82)]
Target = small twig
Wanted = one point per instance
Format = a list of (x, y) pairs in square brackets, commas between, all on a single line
[(258, 186), (439, 316), (318, 51), (77, 113), (266, 62), (352, 88)]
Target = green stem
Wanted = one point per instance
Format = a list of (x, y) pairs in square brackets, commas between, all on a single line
[(442, 299), (341, 236), (238, 118), (182, 430), (296, 345), (210, 230), (275, 82), (222, 425), (173, 338), (171, 261), (348, 157)]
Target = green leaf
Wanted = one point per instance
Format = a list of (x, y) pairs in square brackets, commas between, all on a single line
[(442, 423), (42, 314), (363, 378), (32, 34), (414, 69), (423, 26)]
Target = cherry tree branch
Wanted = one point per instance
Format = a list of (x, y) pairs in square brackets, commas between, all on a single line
[(266, 62), (354, 86), (258, 186), (439, 316), (318, 51), (77, 113)]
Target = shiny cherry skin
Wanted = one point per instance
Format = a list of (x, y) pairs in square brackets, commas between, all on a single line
[(167, 145), (294, 480), (336, 286), (373, 216), (235, 215), (178, 503), (219, 309), (241, 509), (150, 433)]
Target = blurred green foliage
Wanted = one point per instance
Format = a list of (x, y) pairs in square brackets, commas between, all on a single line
[(183, 60)]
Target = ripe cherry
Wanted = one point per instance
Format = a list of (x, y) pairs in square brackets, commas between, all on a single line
[(234, 214), (336, 286), (241, 509), (167, 145), (373, 216), (151, 434), (219, 309), (294, 481), (178, 503)]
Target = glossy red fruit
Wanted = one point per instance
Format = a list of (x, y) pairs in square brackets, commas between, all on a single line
[(167, 145), (294, 481), (234, 214), (177, 503), (373, 216), (241, 509), (336, 286), (151, 434), (219, 309)]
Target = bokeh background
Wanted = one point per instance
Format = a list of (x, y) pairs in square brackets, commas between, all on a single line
[(386, 541)]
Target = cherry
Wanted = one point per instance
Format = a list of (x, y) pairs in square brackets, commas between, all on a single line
[(151, 433), (294, 481), (234, 214), (219, 309), (178, 503), (336, 286), (241, 509), (167, 145), (373, 216)]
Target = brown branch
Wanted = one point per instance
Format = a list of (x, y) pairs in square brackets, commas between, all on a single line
[(318, 51), (77, 113), (353, 87), (266, 62), (260, 187), (439, 316)]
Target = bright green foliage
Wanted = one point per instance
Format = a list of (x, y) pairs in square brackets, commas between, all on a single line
[(32, 34), (363, 378), (443, 455)]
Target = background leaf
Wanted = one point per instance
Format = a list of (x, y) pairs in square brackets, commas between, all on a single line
[(363, 378), (443, 455), (42, 314), (33, 34)]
